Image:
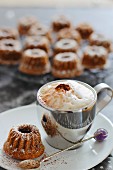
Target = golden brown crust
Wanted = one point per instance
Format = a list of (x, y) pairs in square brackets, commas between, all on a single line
[(10, 51), (35, 62), (33, 71), (8, 33), (69, 33), (100, 40), (94, 57), (65, 45), (60, 22), (24, 142), (40, 42), (40, 30), (25, 24), (85, 30), (66, 65)]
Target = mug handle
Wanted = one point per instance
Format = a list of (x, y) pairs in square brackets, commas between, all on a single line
[(104, 96)]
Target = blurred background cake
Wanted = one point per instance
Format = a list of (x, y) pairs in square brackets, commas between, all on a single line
[(8, 33), (65, 45), (25, 23), (60, 22), (35, 62), (10, 51), (40, 42), (100, 40), (94, 57), (69, 33), (85, 30), (66, 65)]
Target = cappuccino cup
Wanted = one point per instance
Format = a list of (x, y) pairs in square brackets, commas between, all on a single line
[(70, 109)]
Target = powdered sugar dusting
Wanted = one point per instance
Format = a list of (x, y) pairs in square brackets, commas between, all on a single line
[(7, 162), (12, 164)]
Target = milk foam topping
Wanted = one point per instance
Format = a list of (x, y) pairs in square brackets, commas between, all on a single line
[(67, 95)]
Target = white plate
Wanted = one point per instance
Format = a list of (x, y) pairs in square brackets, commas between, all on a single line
[(83, 158)]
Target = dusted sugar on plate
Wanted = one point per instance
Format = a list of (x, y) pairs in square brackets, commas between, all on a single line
[(67, 95)]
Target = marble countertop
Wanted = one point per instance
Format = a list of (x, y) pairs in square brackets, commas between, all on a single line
[(17, 89)]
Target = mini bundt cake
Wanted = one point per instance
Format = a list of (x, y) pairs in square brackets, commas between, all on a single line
[(24, 142), (94, 57), (85, 30), (40, 30), (65, 45), (32, 42), (10, 51), (25, 23), (7, 33), (60, 22), (66, 65), (69, 33), (100, 40), (35, 62)]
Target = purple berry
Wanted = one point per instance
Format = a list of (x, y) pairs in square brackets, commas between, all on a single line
[(100, 134)]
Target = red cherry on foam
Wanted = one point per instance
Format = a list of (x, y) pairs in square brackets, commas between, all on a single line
[(100, 135)]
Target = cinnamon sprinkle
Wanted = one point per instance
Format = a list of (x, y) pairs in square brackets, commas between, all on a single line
[(65, 87)]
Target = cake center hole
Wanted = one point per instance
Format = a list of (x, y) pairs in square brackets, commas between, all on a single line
[(65, 43), (65, 56), (35, 52), (24, 130), (9, 44), (39, 28)]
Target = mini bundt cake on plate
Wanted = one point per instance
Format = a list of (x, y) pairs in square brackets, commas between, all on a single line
[(24, 142)]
